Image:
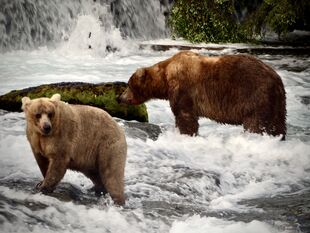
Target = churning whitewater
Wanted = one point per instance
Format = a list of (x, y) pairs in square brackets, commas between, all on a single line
[(223, 180)]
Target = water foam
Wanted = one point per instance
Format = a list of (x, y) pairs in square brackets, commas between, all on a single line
[(43, 213), (197, 224), (167, 180), (90, 38)]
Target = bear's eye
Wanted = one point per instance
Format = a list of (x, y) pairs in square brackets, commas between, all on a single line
[(50, 115), (38, 115)]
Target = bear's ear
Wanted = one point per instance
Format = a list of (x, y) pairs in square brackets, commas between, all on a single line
[(56, 97), (140, 72), (26, 101)]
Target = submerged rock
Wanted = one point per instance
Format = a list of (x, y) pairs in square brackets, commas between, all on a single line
[(141, 130), (101, 95), (293, 208)]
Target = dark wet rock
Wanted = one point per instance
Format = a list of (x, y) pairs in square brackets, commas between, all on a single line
[(275, 50), (65, 192), (141, 130), (20, 212), (101, 95), (197, 174), (164, 47), (293, 208), (305, 99), (297, 132), (180, 187), (26, 210), (299, 68), (111, 49), (6, 215), (163, 208), (287, 50)]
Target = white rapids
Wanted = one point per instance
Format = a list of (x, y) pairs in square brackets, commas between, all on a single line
[(174, 184)]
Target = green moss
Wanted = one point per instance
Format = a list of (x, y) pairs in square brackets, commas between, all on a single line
[(103, 95), (280, 16)]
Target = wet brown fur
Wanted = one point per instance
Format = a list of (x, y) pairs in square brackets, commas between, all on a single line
[(232, 89), (82, 138)]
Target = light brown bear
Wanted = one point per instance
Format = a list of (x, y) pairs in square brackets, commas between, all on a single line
[(82, 138), (232, 89)]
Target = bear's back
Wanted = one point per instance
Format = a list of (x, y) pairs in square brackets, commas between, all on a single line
[(90, 122), (89, 131)]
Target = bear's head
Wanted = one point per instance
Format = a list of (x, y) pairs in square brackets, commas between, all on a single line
[(40, 113), (134, 93), (143, 85)]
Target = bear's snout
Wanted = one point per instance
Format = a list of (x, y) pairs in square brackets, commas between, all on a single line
[(46, 128), (128, 98), (125, 98)]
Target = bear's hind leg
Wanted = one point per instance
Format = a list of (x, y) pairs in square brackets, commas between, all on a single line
[(260, 126), (111, 169), (114, 185), (98, 186), (277, 128), (253, 125)]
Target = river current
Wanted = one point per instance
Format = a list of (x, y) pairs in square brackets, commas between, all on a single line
[(223, 180)]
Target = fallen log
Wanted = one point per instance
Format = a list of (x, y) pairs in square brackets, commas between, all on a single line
[(101, 95)]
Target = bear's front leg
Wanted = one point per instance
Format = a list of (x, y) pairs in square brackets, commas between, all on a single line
[(42, 163), (186, 118), (55, 172), (187, 123)]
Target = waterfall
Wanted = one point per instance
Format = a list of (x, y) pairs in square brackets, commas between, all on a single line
[(27, 24), (141, 18)]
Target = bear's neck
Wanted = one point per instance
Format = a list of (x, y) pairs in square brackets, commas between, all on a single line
[(161, 94), (160, 90)]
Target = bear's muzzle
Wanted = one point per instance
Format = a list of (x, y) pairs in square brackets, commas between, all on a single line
[(46, 129), (128, 98)]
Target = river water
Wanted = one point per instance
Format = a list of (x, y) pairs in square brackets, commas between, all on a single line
[(224, 180)]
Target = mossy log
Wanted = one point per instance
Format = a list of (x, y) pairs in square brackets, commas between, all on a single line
[(101, 95)]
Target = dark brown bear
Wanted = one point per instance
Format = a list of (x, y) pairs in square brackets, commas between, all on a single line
[(232, 89)]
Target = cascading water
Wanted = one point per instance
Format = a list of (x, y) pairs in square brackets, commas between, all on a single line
[(140, 18), (27, 24), (30, 23)]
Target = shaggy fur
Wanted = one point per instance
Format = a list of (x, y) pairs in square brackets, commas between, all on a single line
[(81, 138), (232, 89)]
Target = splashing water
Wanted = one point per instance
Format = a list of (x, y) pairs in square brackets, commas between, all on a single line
[(224, 180), (29, 24)]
